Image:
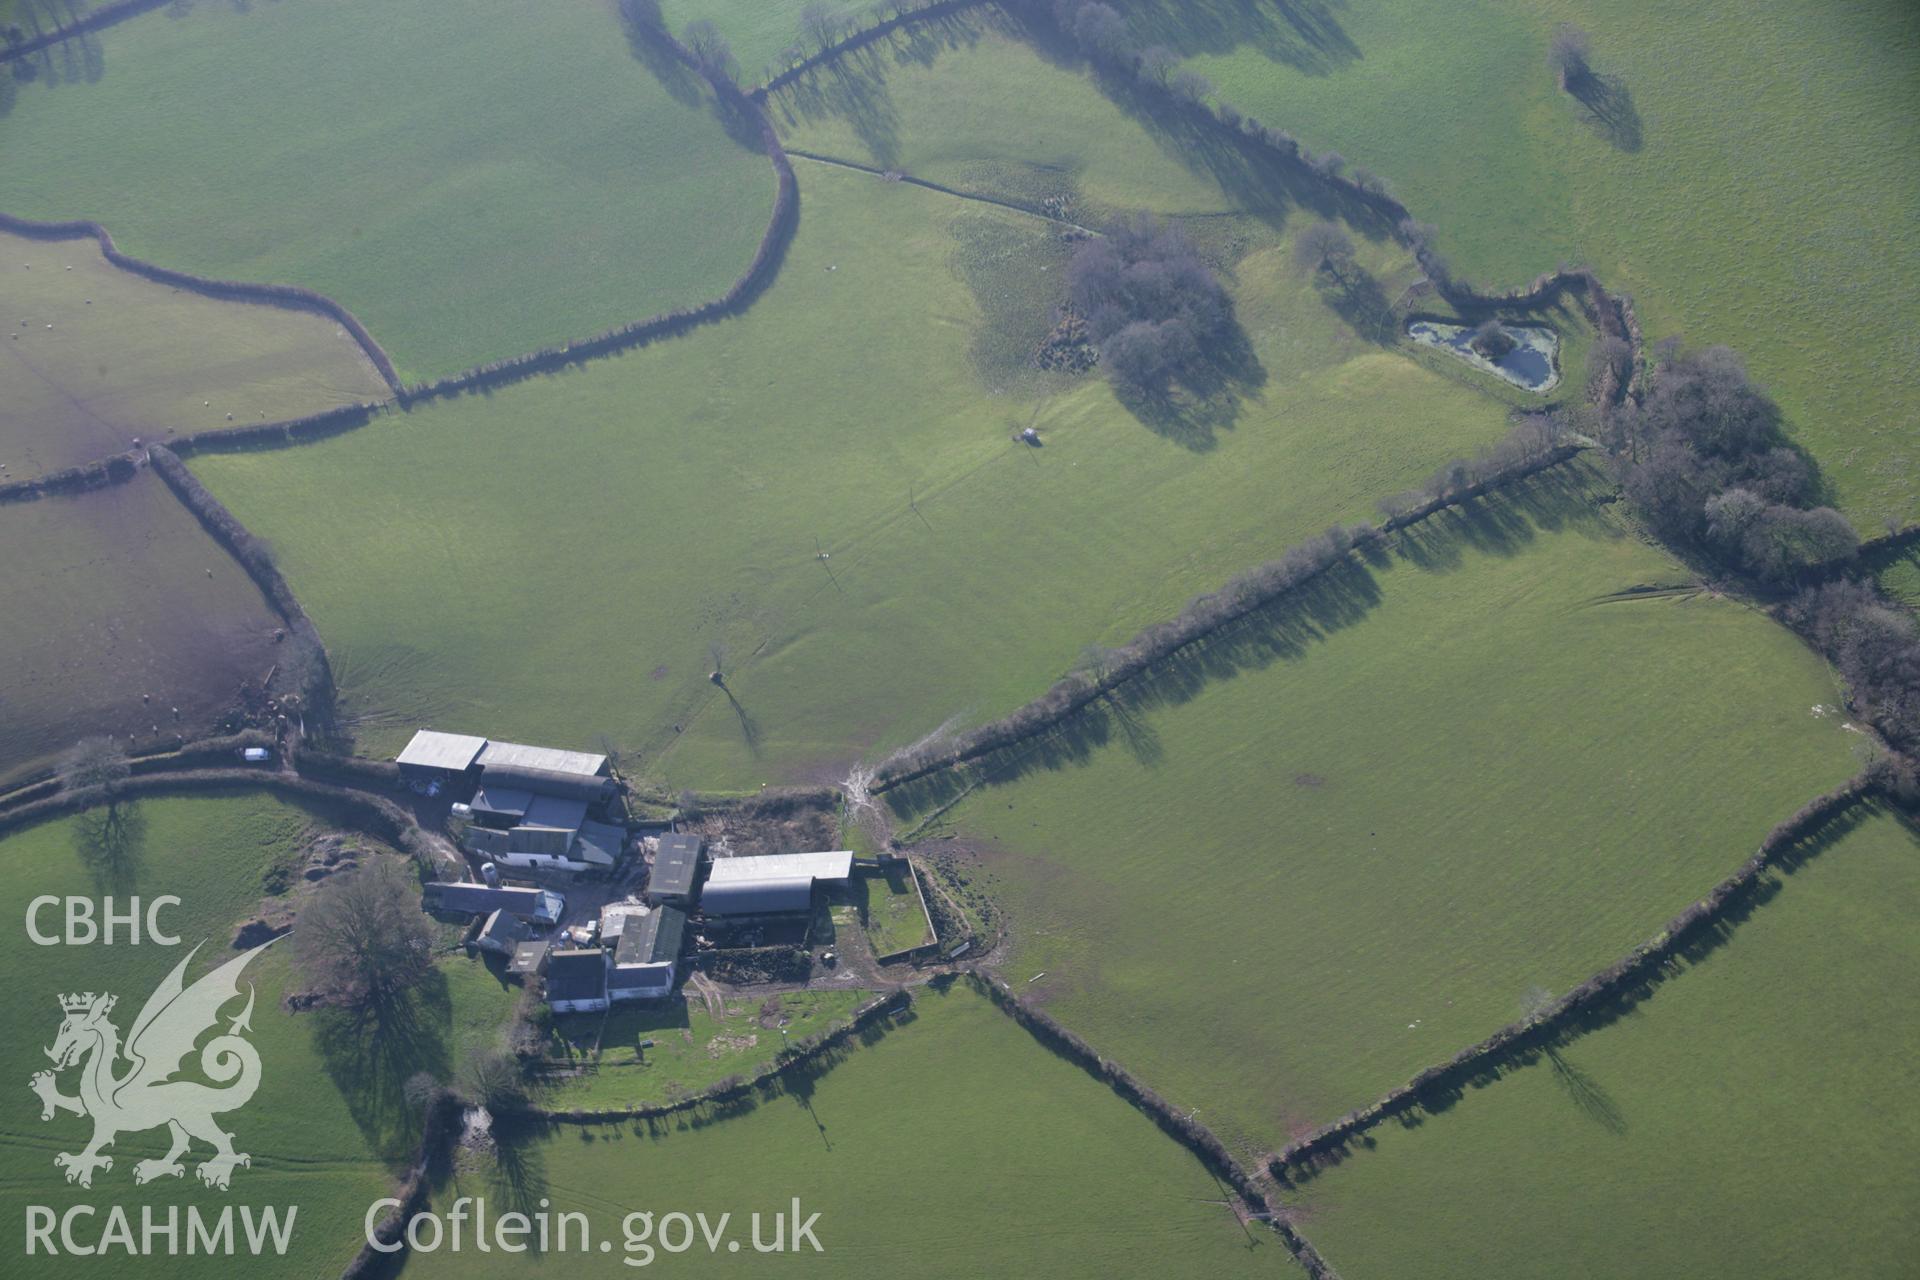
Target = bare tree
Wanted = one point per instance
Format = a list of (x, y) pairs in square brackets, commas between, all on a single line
[(493, 1080), (362, 937), (1324, 247), (1491, 339), (1189, 85), (710, 49), (93, 769), (1157, 65), (820, 24)]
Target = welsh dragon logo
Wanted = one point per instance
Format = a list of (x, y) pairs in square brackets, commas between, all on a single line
[(145, 1095)]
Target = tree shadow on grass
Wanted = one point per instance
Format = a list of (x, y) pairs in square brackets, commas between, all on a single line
[(1607, 107), (1205, 398), (1586, 1093), (1260, 180), (645, 28), (1286, 629), (111, 841), (1305, 35), (370, 1050)]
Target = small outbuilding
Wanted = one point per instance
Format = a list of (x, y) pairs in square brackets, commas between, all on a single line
[(529, 958), (646, 954), (539, 905), (577, 980), (503, 932), (676, 864)]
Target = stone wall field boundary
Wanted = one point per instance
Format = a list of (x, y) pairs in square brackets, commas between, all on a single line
[(291, 297)]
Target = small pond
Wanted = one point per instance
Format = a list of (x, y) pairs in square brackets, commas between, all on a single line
[(1533, 364)]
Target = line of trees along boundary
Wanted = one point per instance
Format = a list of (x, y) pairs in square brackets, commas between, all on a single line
[(1241, 596), (375, 814), (1542, 1028), (1196, 1137), (291, 297), (857, 39), (310, 674), (745, 289)]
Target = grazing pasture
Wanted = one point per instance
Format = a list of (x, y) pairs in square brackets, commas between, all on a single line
[(1752, 1119), (593, 544), (761, 31), (965, 102), (324, 1130), (954, 1145), (691, 1050), (1325, 850), (96, 357), (1737, 204), (120, 616), (489, 179)]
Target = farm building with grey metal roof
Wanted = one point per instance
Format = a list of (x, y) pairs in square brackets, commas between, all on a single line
[(773, 896), (646, 954), (675, 865), (440, 752), (577, 980)]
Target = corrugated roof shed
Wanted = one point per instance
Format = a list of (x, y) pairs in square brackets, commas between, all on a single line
[(547, 842), (556, 811), (504, 929), (430, 749), (529, 957), (488, 841), (599, 843), (503, 801), (653, 938), (478, 898), (577, 975), (834, 866), (518, 755), (757, 897), (547, 782), (674, 865)]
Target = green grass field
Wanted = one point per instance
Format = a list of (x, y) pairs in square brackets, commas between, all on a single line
[(759, 31), (485, 182), (1747, 213), (111, 595), (954, 1146), (1354, 836), (967, 104), (691, 1048), (682, 493), (96, 358), (321, 1129), (890, 911), (1751, 1120)]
